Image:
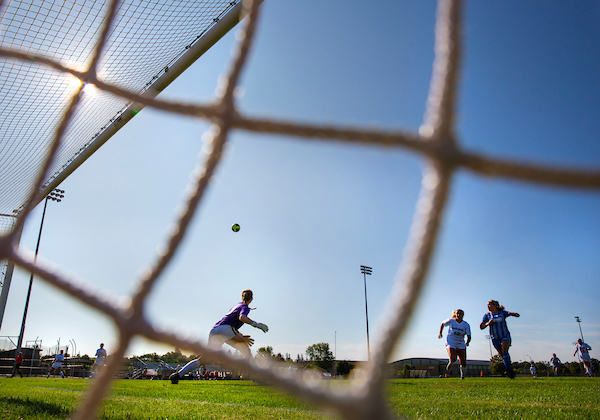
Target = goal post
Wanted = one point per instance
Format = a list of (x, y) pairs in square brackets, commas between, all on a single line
[(7, 223)]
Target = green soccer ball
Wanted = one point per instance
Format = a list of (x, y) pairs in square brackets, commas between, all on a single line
[(235, 227)]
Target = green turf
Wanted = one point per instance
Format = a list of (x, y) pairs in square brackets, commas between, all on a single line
[(473, 398)]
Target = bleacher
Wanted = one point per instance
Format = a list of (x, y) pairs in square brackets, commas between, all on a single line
[(29, 367)]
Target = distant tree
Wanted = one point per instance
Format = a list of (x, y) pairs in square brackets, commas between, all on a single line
[(150, 357), (175, 357), (406, 368), (574, 368), (264, 353), (541, 368), (344, 367), (320, 355), (497, 365)]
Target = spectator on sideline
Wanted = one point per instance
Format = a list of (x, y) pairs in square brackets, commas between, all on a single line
[(18, 361)]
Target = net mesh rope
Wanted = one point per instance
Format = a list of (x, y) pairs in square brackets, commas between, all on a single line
[(144, 39), (7, 223), (435, 143)]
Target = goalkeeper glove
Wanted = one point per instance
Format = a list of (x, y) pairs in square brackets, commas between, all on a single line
[(260, 326)]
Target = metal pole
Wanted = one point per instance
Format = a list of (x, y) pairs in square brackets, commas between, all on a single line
[(580, 332), (55, 195), (335, 346), (9, 271), (37, 248), (366, 270), (490, 343)]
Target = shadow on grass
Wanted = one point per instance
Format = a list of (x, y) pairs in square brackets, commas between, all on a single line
[(36, 406)]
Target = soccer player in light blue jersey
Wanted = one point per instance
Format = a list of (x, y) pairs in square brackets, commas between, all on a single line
[(226, 331), (495, 319)]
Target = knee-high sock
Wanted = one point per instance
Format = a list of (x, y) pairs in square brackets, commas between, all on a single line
[(507, 362), (193, 365)]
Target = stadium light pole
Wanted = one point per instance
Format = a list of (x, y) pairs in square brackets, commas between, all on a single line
[(366, 271), (55, 195), (490, 343), (579, 323)]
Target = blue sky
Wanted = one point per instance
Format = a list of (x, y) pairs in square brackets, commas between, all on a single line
[(312, 212)]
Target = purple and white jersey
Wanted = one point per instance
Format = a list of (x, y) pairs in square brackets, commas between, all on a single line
[(456, 333), (583, 350), (498, 328), (233, 316)]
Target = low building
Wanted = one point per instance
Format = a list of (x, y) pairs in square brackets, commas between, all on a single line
[(429, 367)]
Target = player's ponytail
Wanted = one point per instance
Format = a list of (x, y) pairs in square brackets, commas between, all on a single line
[(247, 296), (497, 305)]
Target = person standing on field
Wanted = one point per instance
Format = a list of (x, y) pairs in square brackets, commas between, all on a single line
[(495, 319), (18, 360), (226, 331), (455, 340), (533, 371)]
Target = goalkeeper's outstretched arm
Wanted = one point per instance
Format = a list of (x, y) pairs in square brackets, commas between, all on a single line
[(255, 324)]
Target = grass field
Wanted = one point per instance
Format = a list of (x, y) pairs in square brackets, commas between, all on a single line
[(485, 398)]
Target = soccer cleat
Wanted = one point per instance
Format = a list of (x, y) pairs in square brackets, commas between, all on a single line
[(174, 378)]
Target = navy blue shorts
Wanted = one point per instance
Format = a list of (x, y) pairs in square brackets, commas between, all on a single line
[(497, 342)]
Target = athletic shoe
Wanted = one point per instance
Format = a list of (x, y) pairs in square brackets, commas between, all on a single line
[(449, 367), (174, 378), (512, 374)]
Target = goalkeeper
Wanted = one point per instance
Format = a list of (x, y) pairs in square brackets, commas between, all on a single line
[(226, 331)]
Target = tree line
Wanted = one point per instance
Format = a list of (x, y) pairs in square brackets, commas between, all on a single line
[(317, 355)]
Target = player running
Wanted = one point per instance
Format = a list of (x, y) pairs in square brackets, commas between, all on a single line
[(496, 320), (99, 362), (455, 340), (584, 349), (226, 331), (57, 364), (555, 363)]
